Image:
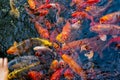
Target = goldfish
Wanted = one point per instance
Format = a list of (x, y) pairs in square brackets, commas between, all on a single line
[(116, 39), (13, 74), (18, 48), (105, 29), (110, 18), (74, 66), (32, 4), (42, 31), (14, 10), (68, 74), (34, 75), (56, 75)]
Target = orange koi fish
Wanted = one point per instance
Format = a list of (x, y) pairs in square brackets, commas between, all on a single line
[(64, 35), (56, 75), (68, 74), (74, 66), (42, 31), (116, 39), (111, 18), (66, 31), (34, 75), (82, 14), (32, 4), (105, 29), (54, 65)]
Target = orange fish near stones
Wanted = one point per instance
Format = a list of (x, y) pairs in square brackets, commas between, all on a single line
[(31, 4), (42, 31), (74, 66)]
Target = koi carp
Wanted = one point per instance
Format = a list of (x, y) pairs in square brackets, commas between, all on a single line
[(82, 14), (50, 5), (32, 4), (111, 18), (64, 35), (42, 31), (34, 75), (74, 66), (18, 48), (54, 65), (13, 74), (105, 29), (14, 10), (56, 75)]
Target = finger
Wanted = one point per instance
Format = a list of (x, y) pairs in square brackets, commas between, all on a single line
[(1, 62), (5, 64)]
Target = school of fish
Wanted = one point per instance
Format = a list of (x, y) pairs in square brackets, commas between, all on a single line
[(58, 45)]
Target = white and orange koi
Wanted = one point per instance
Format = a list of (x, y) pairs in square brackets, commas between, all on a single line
[(105, 29)]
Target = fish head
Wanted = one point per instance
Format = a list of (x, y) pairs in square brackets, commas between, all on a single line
[(13, 49), (104, 19), (95, 28)]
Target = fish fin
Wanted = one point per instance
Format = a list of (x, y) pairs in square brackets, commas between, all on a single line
[(114, 36), (83, 47), (15, 43), (103, 37)]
